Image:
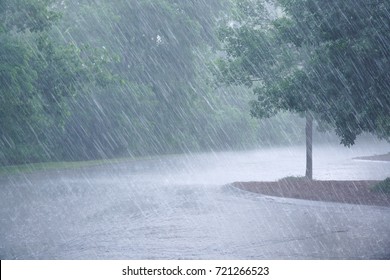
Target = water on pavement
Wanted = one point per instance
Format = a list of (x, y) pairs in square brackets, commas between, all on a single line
[(181, 207)]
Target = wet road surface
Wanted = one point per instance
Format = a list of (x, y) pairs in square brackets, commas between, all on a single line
[(181, 207)]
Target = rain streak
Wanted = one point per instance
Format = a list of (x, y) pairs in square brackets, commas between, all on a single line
[(194, 129)]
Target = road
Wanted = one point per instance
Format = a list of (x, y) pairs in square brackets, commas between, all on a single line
[(182, 207)]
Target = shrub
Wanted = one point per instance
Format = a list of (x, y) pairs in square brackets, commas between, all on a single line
[(383, 186)]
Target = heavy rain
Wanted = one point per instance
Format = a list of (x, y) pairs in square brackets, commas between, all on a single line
[(194, 129)]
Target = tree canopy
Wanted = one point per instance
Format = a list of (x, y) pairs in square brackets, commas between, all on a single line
[(22, 15), (92, 79), (329, 58), (37, 78), (151, 58), (350, 59)]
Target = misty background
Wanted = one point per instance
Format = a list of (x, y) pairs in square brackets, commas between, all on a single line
[(186, 97), (108, 79)]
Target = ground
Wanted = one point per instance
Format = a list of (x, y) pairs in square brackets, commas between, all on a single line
[(353, 192)]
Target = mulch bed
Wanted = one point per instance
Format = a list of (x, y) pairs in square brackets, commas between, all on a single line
[(354, 192)]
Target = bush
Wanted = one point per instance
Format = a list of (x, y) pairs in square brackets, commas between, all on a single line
[(383, 186)]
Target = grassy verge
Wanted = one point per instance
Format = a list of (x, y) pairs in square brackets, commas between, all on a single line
[(294, 178), (32, 167)]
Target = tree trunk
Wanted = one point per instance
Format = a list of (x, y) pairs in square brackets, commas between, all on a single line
[(309, 146)]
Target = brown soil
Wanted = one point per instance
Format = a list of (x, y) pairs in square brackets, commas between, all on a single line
[(354, 192)]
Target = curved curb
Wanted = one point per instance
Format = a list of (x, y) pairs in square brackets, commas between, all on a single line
[(306, 202)]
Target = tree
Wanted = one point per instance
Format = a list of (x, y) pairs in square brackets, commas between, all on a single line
[(349, 69), (22, 15), (320, 58), (20, 104), (38, 77), (256, 55)]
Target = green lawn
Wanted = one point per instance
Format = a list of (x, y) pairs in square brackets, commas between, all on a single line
[(29, 168)]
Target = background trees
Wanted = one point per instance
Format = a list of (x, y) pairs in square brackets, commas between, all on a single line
[(30, 98), (163, 100), (93, 79), (38, 78), (156, 49)]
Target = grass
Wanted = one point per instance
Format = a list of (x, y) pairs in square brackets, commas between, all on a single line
[(383, 186), (32, 167), (293, 178)]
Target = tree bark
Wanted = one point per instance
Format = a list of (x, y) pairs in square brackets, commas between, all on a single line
[(309, 146)]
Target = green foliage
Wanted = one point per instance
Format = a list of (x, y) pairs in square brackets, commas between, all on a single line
[(159, 105), (20, 107), (348, 73), (22, 15), (383, 186), (38, 77), (255, 57), (330, 58), (93, 79)]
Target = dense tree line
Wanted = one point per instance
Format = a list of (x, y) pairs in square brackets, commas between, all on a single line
[(37, 78), (89, 79), (92, 79)]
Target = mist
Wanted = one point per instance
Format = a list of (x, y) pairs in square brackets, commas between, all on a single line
[(125, 127)]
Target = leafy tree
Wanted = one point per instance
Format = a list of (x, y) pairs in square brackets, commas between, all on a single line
[(20, 104), (325, 59), (56, 55), (349, 65), (257, 56), (38, 77), (22, 15)]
